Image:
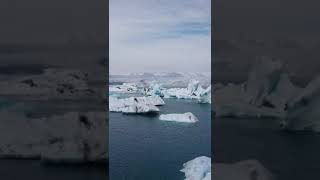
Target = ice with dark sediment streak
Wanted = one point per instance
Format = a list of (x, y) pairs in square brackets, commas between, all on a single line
[(185, 117), (135, 105)]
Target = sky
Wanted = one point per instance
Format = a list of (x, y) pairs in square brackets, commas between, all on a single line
[(159, 36)]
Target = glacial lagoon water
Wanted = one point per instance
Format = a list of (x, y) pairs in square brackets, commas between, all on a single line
[(143, 147)]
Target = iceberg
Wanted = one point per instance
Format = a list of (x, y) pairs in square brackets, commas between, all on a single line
[(135, 105), (197, 169), (186, 117), (205, 95), (154, 90), (193, 91)]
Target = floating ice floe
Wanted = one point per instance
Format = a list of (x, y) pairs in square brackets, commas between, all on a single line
[(243, 170), (135, 105), (186, 117), (69, 138), (197, 169)]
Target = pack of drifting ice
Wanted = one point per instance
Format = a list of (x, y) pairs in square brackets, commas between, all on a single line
[(186, 117), (197, 169), (135, 105)]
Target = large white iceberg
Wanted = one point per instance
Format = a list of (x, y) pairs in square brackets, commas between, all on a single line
[(197, 169), (135, 105), (185, 117)]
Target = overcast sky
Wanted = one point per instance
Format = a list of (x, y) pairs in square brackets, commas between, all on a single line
[(159, 35)]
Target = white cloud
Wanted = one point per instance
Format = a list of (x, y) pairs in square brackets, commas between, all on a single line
[(159, 35)]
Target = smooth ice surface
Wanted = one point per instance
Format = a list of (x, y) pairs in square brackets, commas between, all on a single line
[(185, 117), (197, 169)]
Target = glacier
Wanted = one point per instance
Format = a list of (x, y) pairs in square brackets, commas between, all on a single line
[(185, 117)]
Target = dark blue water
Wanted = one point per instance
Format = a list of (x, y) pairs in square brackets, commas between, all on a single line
[(144, 148)]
